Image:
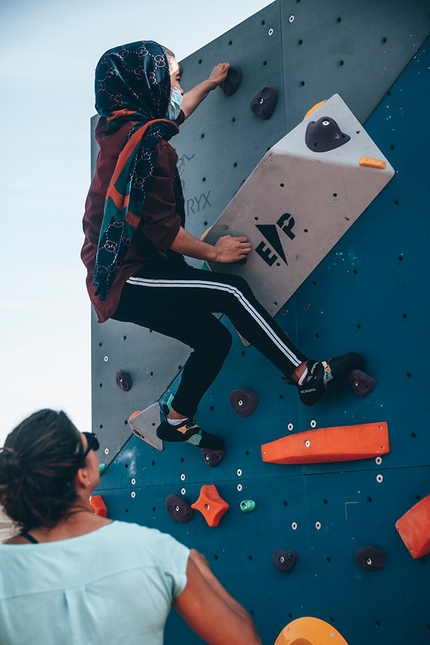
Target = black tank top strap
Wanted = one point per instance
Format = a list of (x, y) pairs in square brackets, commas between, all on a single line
[(29, 537)]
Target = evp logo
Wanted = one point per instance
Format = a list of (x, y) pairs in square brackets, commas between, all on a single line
[(270, 232)]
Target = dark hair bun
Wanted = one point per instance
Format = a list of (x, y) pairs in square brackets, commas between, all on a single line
[(38, 465), (12, 473)]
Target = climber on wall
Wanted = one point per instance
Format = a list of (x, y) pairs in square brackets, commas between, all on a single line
[(135, 240)]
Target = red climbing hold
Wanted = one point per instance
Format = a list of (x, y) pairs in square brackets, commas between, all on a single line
[(98, 505), (340, 443), (211, 505), (414, 528)]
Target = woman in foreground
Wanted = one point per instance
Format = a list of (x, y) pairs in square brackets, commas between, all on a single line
[(72, 577)]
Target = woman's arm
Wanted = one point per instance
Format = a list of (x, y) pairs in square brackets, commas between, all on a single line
[(210, 610), (227, 249), (194, 97)]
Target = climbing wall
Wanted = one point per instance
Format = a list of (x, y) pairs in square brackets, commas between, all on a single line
[(368, 295)]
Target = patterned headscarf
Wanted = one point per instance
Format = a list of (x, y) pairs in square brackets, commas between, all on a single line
[(132, 83)]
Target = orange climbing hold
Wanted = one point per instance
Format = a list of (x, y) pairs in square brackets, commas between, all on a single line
[(313, 109), (342, 443), (310, 631), (211, 505), (414, 528), (98, 505), (134, 414), (372, 163)]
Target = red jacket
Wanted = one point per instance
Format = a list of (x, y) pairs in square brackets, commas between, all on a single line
[(159, 224)]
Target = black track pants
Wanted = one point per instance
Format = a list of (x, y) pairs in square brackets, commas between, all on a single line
[(178, 301)]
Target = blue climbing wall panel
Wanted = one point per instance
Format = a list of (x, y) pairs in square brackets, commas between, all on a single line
[(369, 294)]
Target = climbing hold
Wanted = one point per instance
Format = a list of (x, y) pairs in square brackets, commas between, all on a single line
[(310, 631), (179, 509), (341, 443), (361, 383), (243, 402), (211, 505), (102, 468), (324, 135), (144, 424), (264, 102), (123, 380), (232, 81), (372, 163), (284, 560), (313, 109), (414, 528), (371, 558), (212, 457), (98, 505), (247, 505), (203, 235)]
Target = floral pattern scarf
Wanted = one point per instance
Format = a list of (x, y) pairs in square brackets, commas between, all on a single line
[(132, 83)]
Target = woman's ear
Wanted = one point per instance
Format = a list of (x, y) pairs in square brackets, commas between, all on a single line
[(82, 478)]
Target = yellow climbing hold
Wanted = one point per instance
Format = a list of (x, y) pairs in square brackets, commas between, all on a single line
[(310, 631), (372, 163), (315, 107)]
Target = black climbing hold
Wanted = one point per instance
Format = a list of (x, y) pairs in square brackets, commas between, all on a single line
[(324, 135), (243, 402), (123, 380), (213, 457), (371, 558), (232, 81), (284, 560), (361, 382), (179, 509), (264, 102)]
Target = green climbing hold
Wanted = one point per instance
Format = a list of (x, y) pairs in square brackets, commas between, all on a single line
[(247, 505), (102, 468)]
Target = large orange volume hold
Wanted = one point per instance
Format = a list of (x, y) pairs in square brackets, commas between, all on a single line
[(340, 443), (414, 528)]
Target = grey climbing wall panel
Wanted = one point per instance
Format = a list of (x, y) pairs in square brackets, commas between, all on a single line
[(300, 200), (369, 294)]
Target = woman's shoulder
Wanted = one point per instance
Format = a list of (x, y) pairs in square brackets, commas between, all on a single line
[(152, 537)]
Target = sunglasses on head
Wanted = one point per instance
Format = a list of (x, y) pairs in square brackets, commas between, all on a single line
[(93, 444)]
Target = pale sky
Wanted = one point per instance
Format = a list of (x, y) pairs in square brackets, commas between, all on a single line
[(48, 52)]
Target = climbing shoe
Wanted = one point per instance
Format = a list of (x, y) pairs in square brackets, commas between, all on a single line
[(321, 374), (189, 432)]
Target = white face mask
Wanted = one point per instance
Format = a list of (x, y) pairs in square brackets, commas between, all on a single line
[(175, 104)]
